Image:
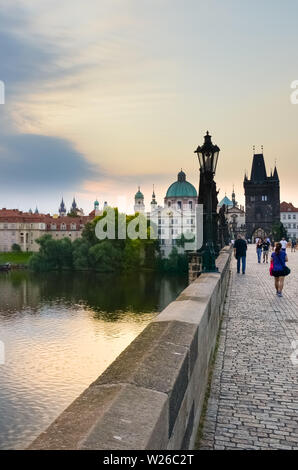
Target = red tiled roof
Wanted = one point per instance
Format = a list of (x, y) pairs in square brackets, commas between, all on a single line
[(16, 216), (288, 207)]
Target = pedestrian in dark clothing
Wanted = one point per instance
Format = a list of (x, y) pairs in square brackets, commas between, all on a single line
[(240, 248), (265, 247), (259, 249)]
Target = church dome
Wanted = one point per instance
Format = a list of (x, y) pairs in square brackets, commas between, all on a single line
[(96, 203), (226, 201), (181, 187), (139, 195)]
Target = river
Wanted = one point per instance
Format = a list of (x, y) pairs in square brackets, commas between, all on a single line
[(60, 331)]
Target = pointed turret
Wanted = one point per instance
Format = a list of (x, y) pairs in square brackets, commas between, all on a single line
[(258, 169), (234, 197), (74, 206), (36, 211), (275, 174), (153, 202), (62, 209)]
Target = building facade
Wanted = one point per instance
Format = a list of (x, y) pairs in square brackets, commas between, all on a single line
[(289, 218), (175, 217), (235, 215), (262, 200), (24, 228)]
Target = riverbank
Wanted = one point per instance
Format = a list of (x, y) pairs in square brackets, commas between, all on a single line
[(16, 259)]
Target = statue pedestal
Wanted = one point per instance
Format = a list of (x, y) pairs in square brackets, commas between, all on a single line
[(195, 266)]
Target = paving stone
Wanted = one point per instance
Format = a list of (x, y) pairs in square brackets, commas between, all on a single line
[(255, 384)]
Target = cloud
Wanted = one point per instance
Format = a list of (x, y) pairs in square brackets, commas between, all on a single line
[(29, 162)]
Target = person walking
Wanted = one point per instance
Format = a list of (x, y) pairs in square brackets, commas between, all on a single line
[(259, 246), (266, 245), (284, 244), (240, 248), (293, 246), (278, 268)]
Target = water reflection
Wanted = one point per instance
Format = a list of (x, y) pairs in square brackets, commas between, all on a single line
[(60, 332)]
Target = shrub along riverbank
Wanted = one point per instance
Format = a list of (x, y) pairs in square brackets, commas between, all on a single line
[(105, 255)]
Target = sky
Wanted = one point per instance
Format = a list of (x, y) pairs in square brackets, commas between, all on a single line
[(103, 97)]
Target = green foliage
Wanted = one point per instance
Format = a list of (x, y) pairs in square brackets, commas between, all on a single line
[(52, 255), (175, 263), (16, 248), (72, 213), (103, 255), (279, 231)]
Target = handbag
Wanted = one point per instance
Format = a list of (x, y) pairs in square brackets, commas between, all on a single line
[(271, 267)]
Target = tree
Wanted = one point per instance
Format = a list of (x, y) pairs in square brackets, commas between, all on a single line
[(279, 231), (16, 248), (175, 263), (106, 256), (53, 254), (81, 254)]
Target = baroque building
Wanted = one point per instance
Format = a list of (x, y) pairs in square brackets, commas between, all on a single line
[(175, 217), (235, 215), (262, 200)]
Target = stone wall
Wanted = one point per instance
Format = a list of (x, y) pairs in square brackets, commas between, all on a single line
[(151, 396)]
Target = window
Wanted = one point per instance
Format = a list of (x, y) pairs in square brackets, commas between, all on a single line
[(63, 226), (169, 203), (252, 198), (190, 204), (289, 216), (264, 198), (179, 204), (284, 216)]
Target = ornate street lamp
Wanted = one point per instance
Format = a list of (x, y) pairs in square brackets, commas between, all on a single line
[(208, 157)]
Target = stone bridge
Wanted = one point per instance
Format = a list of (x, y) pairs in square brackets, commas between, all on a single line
[(154, 395)]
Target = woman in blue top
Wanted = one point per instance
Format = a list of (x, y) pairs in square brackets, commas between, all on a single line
[(279, 268)]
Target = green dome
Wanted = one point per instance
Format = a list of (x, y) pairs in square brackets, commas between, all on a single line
[(226, 201), (96, 203), (139, 195), (181, 188)]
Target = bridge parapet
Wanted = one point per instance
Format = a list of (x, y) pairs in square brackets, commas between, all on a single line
[(151, 396)]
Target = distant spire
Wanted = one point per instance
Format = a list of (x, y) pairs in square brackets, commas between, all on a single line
[(262, 148), (36, 211), (234, 197), (153, 197), (62, 208), (74, 205)]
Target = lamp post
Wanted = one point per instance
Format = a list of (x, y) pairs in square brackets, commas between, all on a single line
[(208, 157)]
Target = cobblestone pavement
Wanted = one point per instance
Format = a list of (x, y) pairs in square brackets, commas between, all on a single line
[(254, 393)]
